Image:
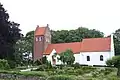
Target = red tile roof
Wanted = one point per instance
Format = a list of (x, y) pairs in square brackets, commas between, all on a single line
[(96, 44), (40, 31), (87, 45), (74, 46)]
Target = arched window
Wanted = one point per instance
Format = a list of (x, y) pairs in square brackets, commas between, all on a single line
[(101, 57), (88, 58)]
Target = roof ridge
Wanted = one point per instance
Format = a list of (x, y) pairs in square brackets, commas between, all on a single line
[(97, 38), (67, 43)]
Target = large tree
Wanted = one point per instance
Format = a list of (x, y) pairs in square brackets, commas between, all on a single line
[(74, 35), (67, 57), (117, 42), (9, 34), (24, 47)]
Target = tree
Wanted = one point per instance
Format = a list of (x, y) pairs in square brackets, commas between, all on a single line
[(67, 57), (24, 47), (74, 35), (117, 42), (9, 34), (19, 50), (115, 61), (44, 60)]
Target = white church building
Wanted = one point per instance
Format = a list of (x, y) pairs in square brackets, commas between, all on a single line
[(90, 51)]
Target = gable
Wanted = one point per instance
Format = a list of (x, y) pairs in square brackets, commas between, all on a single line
[(40, 31)]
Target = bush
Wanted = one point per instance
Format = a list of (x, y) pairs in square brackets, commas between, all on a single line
[(79, 71), (95, 74), (60, 77), (4, 64), (76, 65), (34, 73), (60, 66), (87, 69), (107, 71), (37, 62), (60, 72), (12, 64), (42, 67)]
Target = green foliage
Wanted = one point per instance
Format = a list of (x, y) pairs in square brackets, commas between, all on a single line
[(60, 77), (12, 64), (115, 61), (42, 67), (74, 35), (37, 62), (117, 42), (9, 34), (4, 64), (24, 45), (67, 57), (44, 60), (76, 65), (33, 73)]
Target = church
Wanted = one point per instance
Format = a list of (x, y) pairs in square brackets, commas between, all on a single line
[(90, 51)]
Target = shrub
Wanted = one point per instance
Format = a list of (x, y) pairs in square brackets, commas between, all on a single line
[(60, 77), (33, 73), (60, 66), (42, 67), (76, 65), (4, 64), (12, 64), (37, 62), (79, 71), (95, 74), (70, 72), (87, 69), (49, 65), (60, 72)]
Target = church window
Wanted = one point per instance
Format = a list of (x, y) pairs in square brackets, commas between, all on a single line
[(101, 57), (88, 58), (36, 38), (40, 38)]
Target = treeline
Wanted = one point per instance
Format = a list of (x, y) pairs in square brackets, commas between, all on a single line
[(62, 36)]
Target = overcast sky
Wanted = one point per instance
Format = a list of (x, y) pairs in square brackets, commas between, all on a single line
[(103, 15)]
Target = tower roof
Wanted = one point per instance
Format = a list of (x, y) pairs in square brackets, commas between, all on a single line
[(40, 30)]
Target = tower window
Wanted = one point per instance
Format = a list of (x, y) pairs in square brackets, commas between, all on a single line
[(88, 58), (101, 57), (36, 38), (40, 38)]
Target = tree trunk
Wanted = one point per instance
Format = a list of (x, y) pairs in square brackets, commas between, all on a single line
[(118, 72)]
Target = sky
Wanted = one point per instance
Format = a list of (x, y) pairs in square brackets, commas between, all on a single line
[(103, 15)]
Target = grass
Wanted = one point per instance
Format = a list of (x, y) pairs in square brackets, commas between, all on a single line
[(82, 73)]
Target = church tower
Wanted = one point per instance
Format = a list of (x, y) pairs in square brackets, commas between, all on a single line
[(42, 37)]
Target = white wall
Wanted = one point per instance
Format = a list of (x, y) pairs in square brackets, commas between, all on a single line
[(49, 57), (112, 46), (94, 58), (81, 58), (77, 58)]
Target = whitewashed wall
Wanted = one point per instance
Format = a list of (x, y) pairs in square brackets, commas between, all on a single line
[(77, 58), (49, 57), (81, 58), (112, 46), (94, 58)]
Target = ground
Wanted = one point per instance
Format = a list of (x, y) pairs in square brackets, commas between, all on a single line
[(71, 73)]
